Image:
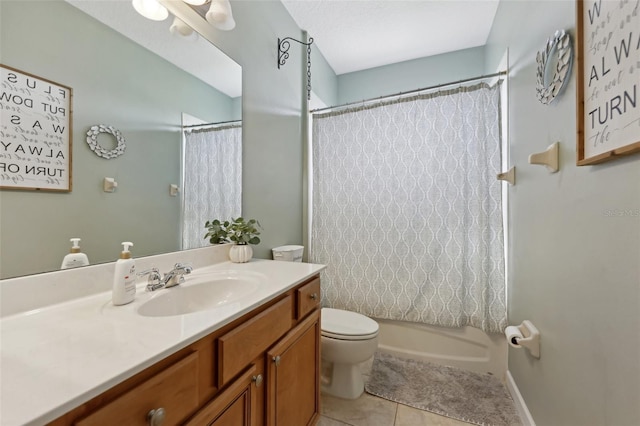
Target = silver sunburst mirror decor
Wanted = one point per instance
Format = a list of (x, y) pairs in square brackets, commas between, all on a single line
[(554, 66), (100, 151)]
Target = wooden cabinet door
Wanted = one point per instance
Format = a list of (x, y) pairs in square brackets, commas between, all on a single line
[(293, 396), (235, 406)]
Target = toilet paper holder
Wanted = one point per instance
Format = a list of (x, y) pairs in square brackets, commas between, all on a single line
[(524, 335)]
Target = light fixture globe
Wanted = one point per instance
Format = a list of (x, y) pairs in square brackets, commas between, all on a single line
[(178, 27), (195, 2), (227, 25), (151, 9), (219, 15)]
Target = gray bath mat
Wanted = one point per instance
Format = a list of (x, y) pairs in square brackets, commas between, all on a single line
[(471, 397)]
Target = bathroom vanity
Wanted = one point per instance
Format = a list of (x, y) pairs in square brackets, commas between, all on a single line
[(250, 361), (260, 369)]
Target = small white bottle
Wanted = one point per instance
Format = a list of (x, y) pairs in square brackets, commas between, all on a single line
[(124, 279), (75, 258)]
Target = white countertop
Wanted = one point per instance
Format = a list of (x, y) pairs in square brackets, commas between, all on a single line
[(58, 357)]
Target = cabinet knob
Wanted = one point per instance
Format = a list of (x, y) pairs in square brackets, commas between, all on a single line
[(314, 296), (276, 360), (257, 380), (155, 417)]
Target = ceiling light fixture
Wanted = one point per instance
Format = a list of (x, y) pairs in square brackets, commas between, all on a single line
[(220, 16), (151, 9), (178, 27)]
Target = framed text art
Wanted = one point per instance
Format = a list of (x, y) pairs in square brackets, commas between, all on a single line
[(608, 92), (35, 132)]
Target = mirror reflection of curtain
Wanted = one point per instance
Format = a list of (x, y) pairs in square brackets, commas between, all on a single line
[(212, 180)]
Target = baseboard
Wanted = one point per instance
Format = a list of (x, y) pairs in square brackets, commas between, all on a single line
[(521, 406)]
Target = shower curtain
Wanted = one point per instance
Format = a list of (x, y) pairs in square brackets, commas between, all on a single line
[(407, 211), (212, 180)]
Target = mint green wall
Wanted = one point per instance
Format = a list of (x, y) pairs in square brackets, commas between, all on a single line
[(236, 107), (114, 82), (574, 269), (324, 81), (273, 103), (272, 130), (410, 75)]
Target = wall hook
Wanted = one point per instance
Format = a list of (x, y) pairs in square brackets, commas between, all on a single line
[(509, 176), (109, 184), (283, 54), (283, 49), (548, 158)]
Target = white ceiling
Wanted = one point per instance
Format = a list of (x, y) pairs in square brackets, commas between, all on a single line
[(196, 56), (359, 34), (351, 34)]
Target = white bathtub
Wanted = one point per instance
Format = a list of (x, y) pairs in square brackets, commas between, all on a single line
[(468, 347)]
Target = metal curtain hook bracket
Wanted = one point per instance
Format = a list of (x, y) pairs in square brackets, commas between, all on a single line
[(283, 54)]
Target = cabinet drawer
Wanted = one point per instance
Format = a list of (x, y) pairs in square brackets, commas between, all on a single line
[(308, 298), (174, 390), (239, 347)]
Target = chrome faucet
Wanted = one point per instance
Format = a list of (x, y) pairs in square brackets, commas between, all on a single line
[(155, 281), (176, 275)]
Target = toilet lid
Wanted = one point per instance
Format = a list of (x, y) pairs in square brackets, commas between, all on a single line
[(347, 325)]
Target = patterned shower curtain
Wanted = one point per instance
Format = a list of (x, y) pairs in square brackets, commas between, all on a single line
[(407, 211), (212, 180)]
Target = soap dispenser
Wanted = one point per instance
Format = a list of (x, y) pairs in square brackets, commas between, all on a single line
[(75, 258), (124, 279)]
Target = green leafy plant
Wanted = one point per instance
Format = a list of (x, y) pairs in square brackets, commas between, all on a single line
[(217, 231), (239, 231)]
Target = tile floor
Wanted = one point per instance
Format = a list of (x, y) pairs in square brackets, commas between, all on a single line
[(369, 410)]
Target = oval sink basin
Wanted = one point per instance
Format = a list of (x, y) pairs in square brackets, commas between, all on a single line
[(205, 293)]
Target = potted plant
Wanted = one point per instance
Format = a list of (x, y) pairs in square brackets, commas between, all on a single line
[(239, 231)]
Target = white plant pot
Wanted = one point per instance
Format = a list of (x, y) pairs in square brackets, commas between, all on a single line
[(240, 253)]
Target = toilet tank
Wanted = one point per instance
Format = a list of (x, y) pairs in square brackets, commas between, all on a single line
[(289, 253)]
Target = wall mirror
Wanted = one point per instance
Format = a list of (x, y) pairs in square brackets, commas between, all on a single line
[(127, 72)]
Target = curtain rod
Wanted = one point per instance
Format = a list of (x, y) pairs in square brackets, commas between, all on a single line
[(211, 124), (437, 86)]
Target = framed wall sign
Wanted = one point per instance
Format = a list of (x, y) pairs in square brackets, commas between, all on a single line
[(35, 132), (608, 92)]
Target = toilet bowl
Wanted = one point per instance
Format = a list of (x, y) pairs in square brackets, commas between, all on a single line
[(347, 340)]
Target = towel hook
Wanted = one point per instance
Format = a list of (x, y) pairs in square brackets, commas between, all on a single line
[(547, 158), (508, 176)]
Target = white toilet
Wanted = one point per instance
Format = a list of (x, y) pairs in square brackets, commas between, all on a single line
[(348, 339)]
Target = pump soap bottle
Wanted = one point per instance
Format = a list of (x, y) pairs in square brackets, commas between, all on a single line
[(75, 258), (124, 280)]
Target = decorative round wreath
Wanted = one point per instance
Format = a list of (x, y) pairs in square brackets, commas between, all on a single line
[(559, 46), (92, 140)]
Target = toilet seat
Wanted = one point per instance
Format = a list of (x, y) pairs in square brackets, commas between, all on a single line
[(346, 325)]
